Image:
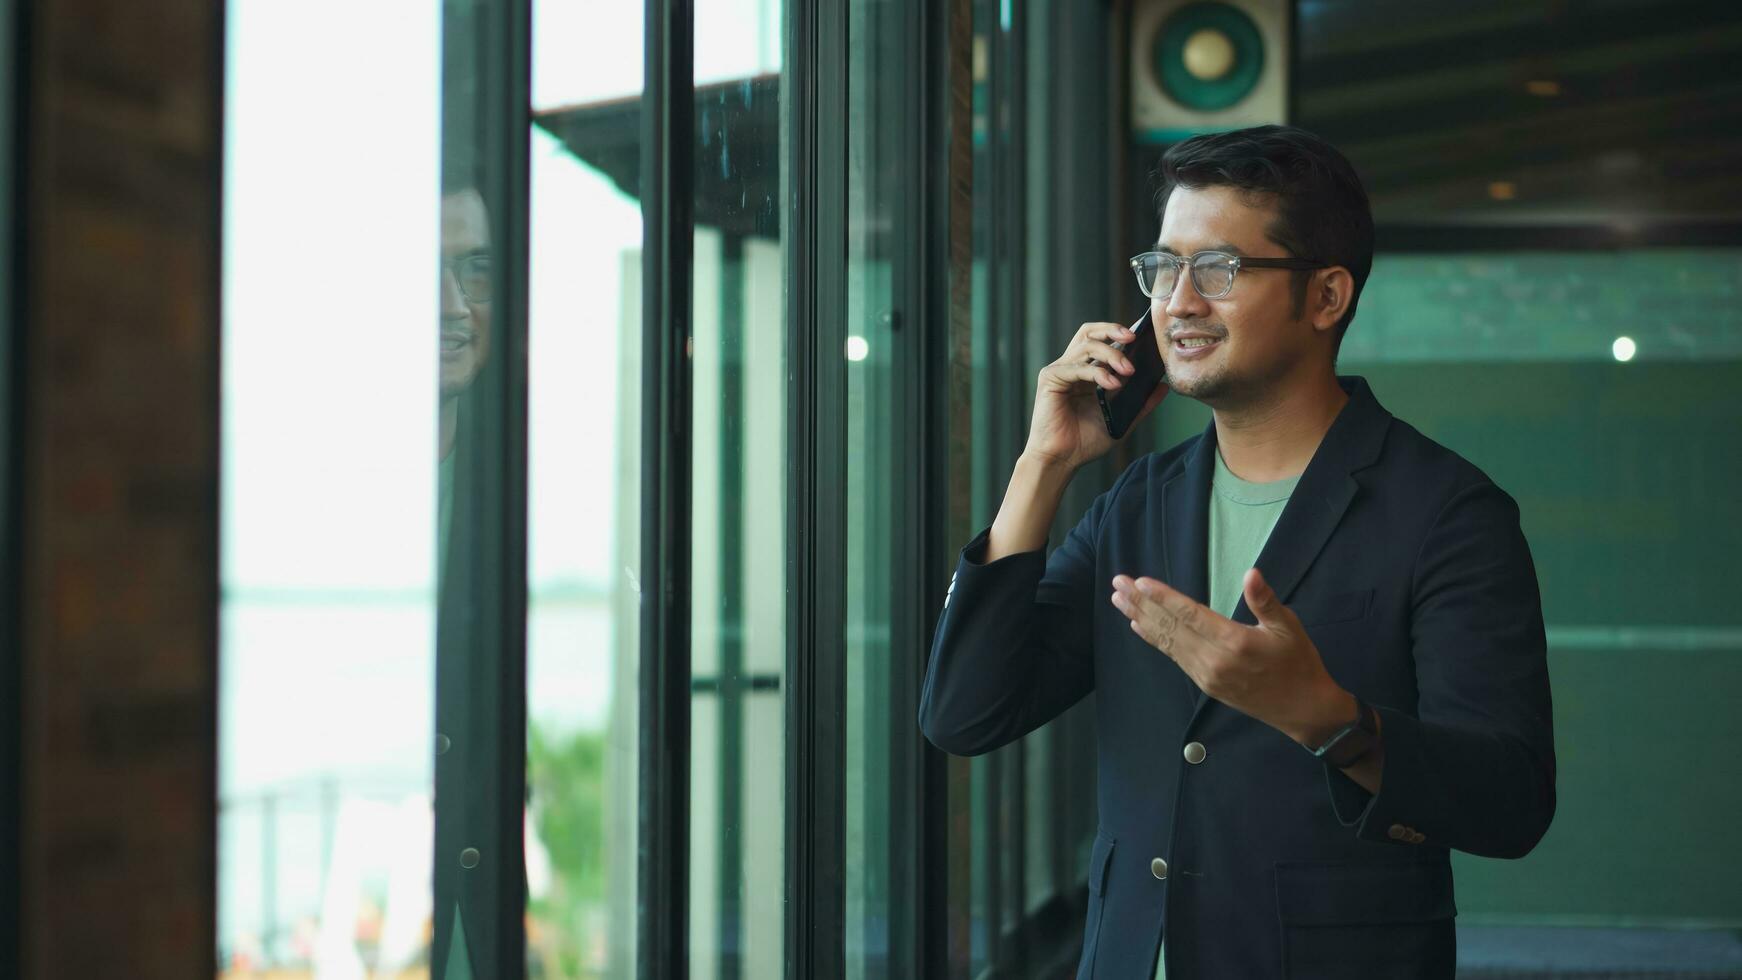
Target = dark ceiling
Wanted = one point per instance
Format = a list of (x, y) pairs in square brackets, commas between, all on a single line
[(1486, 112)]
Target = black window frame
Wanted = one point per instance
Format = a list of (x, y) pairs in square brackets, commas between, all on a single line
[(815, 105), (668, 237), (505, 89), (498, 50)]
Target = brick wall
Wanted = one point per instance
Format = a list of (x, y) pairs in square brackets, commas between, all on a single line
[(119, 423)]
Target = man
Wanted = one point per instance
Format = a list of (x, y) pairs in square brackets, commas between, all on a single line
[(467, 287), (1308, 575)]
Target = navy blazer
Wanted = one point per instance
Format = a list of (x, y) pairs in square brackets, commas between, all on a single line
[(1408, 568)]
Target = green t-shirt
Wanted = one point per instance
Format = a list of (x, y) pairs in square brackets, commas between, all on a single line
[(1242, 514)]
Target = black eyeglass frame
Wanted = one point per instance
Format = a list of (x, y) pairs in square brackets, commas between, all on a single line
[(456, 265), (1236, 262)]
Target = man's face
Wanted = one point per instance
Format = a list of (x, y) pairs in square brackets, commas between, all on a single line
[(465, 323), (1256, 338)]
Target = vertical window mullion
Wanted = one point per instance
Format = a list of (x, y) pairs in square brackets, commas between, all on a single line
[(928, 97), (816, 117), (919, 832), (1012, 239), (668, 179), (507, 70)]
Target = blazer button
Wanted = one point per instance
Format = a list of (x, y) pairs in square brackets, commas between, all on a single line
[(1398, 831), (1195, 752), (1158, 868), (469, 858)]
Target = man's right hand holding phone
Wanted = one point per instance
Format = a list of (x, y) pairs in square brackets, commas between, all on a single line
[(1067, 431)]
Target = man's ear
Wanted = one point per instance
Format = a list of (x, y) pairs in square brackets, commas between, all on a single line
[(1328, 296)]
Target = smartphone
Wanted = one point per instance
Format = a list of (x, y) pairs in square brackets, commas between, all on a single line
[(1120, 408)]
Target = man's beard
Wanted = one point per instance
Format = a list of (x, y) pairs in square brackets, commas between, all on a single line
[(1210, 387), (1225, 388)]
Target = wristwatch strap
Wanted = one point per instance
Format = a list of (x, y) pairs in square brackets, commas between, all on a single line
[(1353, 741)]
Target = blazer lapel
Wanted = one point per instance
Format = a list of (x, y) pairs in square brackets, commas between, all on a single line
[(1325, 491), (1312, 513), (1186, 504)]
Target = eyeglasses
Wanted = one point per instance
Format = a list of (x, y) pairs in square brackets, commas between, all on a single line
[(1212, 272), (472, 273)]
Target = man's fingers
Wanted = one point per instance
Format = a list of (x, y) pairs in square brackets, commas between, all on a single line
[(1142, 614), (1108, 355), (1108, 332), (1191, 615), (1064, 375), (1153, 637), (1266, 607), (1161, 626), (1163, 633)]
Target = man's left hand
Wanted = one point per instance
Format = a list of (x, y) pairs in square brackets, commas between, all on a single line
[(1271, 671)]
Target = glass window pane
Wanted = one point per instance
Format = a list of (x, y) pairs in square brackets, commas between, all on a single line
[(881, 890), (1559, 373), (329, 500), (584, 510), (738, 595), (1630, 531), (987, 803)]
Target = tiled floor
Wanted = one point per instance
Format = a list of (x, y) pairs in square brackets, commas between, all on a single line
[(1566, 952)]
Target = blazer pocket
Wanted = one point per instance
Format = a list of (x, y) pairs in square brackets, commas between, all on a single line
[(1099, 859), (1353, 921), (1336, 608)]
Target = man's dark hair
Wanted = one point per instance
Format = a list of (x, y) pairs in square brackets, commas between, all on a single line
[(1321, 208)]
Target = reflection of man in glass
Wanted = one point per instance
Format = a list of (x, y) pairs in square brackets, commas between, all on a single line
[(469, 876), (467, 288)]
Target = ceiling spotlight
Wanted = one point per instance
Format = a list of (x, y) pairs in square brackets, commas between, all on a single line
[(857, 348), (1623, 348)]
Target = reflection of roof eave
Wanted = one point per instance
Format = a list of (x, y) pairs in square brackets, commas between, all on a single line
[(737, 149), (568, 108), (771, 79)]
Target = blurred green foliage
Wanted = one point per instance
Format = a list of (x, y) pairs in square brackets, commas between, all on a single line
[(566, 777)]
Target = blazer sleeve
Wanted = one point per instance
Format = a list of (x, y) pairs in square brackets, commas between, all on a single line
[(1473, 768), (1014, 644)]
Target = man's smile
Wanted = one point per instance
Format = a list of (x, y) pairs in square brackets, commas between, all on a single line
[(455, 341), (1190, 345)]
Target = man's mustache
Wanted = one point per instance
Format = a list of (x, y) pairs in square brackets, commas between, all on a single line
[(1177, 329)]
